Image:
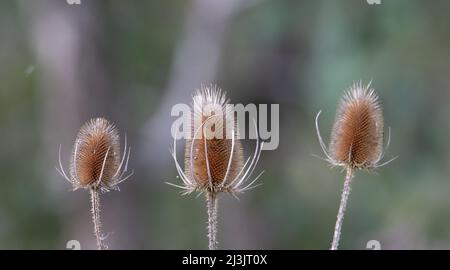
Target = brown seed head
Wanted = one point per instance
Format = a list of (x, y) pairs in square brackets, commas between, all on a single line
[(214, 158), (96, 155), (210, 155), (95, 160), (357, 135)]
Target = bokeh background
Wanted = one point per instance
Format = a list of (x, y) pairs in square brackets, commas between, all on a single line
[(130, 61)]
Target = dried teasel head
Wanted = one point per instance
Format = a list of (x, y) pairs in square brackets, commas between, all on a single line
[(96, 161), (357, 135), (214, 159)]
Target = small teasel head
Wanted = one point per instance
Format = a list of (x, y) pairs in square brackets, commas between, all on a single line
[(96, 160), (214, 159), (357, 134)]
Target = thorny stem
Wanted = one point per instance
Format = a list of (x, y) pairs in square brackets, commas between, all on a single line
[(342, 207), (95, 209), (211, 201)]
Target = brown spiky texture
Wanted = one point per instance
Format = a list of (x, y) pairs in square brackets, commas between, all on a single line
[(219, 152), (357, 134), (96, 156), (210, 166), (215, 164), (96, 161), (96, 164), (356, 141)]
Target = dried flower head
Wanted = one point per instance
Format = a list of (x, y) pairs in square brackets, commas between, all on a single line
[(96, 160), (356, 141), (96, 165), (214, 159), (215, 163), (357, 134)]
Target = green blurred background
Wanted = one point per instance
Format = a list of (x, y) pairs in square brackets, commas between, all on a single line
[(130, 61)]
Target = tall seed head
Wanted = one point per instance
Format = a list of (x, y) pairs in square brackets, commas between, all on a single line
[(211, 154), (96, 165), (214, 158), (356, 140), (357, 134)]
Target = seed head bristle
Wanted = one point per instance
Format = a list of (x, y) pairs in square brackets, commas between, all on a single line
[(96, 154), (357, 135), (96, 161), (211, 155), (219, 152), (356, 141), (96, 165), (214, 159), (214, 162)]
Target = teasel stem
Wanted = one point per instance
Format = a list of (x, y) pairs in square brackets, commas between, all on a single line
[(211, 201), (342, 208), (95, 209)]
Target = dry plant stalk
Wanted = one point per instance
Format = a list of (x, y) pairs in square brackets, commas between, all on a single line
[(215, 164), (356, 141), (97, 165)]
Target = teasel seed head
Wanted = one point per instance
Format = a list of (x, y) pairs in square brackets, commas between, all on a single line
[(96, 160), (215, 163), (357, 134)]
